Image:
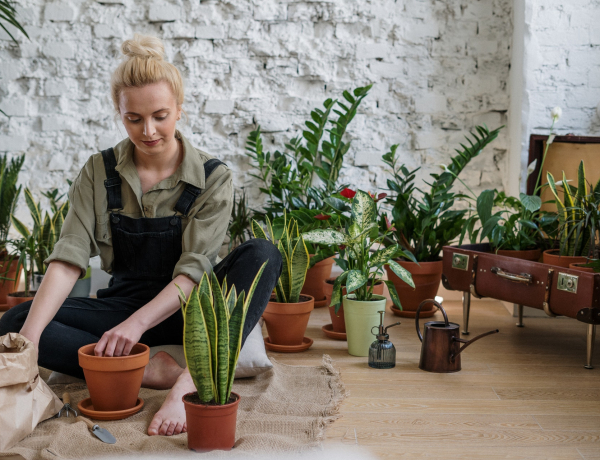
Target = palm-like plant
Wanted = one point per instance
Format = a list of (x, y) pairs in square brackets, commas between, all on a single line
[(9, 193), (241, 220), (294, 254), (214, 317), (8, 15)]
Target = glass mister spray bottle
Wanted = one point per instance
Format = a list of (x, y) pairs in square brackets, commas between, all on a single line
[(382, 353)]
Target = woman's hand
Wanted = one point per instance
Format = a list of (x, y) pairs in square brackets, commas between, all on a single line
[(120, 339)]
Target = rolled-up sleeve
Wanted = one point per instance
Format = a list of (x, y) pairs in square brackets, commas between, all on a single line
[(76, 243), (204, 234)]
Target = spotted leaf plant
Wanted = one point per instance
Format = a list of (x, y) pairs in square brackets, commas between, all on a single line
[(294, 253), (214, 317), (363, 268)]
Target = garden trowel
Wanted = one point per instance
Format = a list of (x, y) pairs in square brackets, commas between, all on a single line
[(101, 433)]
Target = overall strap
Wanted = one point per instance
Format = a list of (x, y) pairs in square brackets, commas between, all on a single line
[(113, 180), (190, 193)]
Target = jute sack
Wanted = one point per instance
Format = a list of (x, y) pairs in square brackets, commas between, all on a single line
[(25, 399)]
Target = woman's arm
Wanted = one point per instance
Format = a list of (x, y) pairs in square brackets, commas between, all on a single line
[(56, 286)]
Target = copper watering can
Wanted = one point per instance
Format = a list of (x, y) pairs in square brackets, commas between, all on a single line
[(441, 348)]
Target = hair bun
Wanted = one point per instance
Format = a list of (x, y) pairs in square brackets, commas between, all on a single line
[(143, 46)]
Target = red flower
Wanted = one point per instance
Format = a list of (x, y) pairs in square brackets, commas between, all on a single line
[(347, 193), (322, 217), (342, 247), (381, 196), (389, 225)]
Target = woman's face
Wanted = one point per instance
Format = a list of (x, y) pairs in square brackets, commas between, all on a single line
[(149, 114)]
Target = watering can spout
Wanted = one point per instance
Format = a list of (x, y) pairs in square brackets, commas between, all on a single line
[(468, 342)]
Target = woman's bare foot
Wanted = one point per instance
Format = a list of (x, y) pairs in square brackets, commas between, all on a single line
[(170, 419), (161, 372)]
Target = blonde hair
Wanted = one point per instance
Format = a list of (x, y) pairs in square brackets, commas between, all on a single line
[(144, 64)]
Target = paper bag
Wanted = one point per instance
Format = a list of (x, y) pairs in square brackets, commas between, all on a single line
[(25, 399)]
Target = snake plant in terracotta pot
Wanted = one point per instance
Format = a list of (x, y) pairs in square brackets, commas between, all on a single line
[(363, 270), (214, 316), (287, 314)]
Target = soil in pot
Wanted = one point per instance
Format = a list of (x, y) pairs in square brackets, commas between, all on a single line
[(578, 266), (553, 257), (313, 285), (114, 382), (210, 426), (286, 322), (361, 317), (15, 298), (6, 287), (427, 277), (337, 320), (530, 254)]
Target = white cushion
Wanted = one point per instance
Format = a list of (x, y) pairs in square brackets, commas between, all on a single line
[(253, 358)]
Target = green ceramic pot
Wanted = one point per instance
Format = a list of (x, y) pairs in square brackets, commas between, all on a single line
[(360, 317)]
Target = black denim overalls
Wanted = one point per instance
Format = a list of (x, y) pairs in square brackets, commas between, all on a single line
[(146, 250)]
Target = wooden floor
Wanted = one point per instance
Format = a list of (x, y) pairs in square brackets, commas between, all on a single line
[(522, 394)]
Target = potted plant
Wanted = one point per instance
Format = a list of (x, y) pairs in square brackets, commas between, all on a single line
[(24, 253), (9, 193), (579, 220), (307, 171), (214, 317), (287, 314), (240, 223), (424, 221), (362, 270)]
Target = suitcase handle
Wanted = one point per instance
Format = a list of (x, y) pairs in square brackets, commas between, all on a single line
[(524, 278)]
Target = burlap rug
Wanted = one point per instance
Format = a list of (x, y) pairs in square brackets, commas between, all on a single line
[(284, 409)]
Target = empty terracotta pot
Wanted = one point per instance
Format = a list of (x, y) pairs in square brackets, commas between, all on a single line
[(313, 285), (114, 382), (530, 254), (427, 277), (15, 298), (286, 322), (579, 267), (337, 320), (210, 427), (8, 271), (553, 257)]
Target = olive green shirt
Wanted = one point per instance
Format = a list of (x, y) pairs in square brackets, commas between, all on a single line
[(86, 231)]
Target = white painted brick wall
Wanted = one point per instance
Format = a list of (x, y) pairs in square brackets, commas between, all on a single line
[(438, 68)]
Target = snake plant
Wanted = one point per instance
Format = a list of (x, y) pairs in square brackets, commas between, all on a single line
[(578, 214), (294, 253), (363, 269), (212, 335)]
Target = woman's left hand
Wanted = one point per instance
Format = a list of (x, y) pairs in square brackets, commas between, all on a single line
[(120, 339)]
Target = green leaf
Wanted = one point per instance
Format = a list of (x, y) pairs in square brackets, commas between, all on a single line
[(530, 202), (485, 203), (258, 231), (221, 314), (299, 265), (356, 279), (393, 294), (383, 255), (210, 320), (327, 237), (20, 227), (336, 297), (402, 273), (364, 209)]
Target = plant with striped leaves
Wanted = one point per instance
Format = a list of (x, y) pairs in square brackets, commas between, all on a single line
[(363, 268), (214, 317), (294, 253)]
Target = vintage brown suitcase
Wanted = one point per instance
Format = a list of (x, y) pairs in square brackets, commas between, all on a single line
[(556, 290)]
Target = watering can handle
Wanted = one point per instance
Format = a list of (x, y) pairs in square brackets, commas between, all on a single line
[(438, 305)]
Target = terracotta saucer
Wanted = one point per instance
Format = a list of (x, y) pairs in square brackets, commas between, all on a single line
[(86, 408), (306, 343), (412, 314), (329, 332), (321, 303)]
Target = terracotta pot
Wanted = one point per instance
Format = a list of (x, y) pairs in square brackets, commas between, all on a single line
[(530, 254), (210, 427), (313, 285), (286, 322), (427, 277), (16, 298), (337, 321), (552, 257), (6, 287), (114, 382), (583, 269)]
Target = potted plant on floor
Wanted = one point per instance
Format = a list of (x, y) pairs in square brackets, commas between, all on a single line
[(287, 314), (214, 317), (24, 251), (9, 193), (578, 217), (424, 221), (362, 270)]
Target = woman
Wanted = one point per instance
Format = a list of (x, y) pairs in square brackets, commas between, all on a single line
[(156, 211)]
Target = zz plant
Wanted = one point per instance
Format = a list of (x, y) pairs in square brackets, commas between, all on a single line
[(294, 254), (214, 317), (363, 269)]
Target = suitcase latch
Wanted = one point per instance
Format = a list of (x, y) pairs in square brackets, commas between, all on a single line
[(567, 282), (460, 261)]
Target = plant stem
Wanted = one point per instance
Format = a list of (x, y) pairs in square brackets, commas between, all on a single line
[(537, 182)]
